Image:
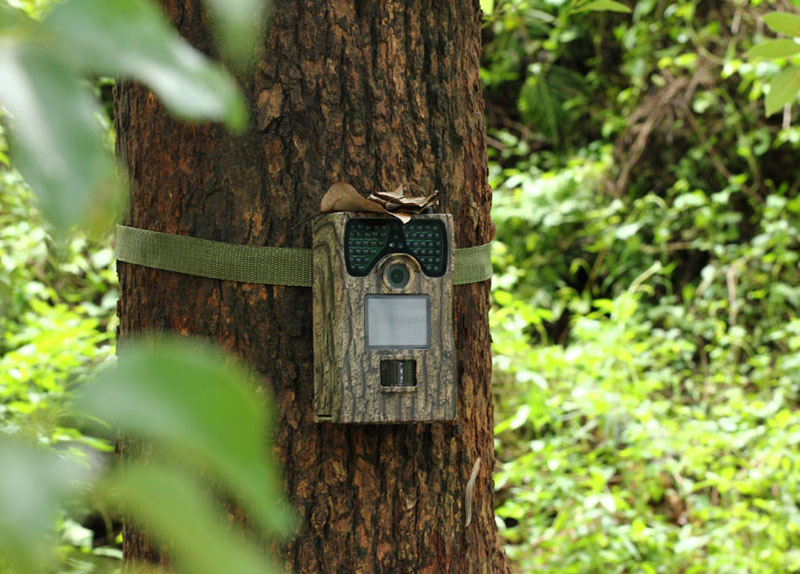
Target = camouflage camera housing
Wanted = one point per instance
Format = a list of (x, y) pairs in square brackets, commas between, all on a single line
[(383, 318)]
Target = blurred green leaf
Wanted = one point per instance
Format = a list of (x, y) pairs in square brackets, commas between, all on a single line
[(487, 7), (179, 514), (201, 404), (775, 49), (10, 16), (783, 89), (57, 142), (33, 484), (602, 6), (132, 38), (783, 23), (239, 26)]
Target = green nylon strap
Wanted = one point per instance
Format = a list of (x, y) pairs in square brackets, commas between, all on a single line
[(472, 264), (253, 264)]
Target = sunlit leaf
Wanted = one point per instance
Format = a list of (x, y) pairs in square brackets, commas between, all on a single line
[(775, 49), (783, 89), (783, 23), (10, 16), (33, 484), (202, 405), (602, 6), (239, 25), (132, 38), (61, 155), (487, 6), (178, 513)]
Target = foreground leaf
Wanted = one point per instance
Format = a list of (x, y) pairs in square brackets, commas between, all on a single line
[(177, 512), (186, 397), (239, 26), (342, 196), (10, 16), (33, 484), (603, 6), (783, 89), (775, 49), (783, 23), (61, 155), (132, 38)]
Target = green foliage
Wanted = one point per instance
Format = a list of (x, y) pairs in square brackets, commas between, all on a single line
[(194, 411), (65, 157), (783, 90), (132, 39), (775, 49), (65, 160), (239, 25), (783, 23), (646, 325), (199, 408), (57, 307), (57, 299), (33, 483), (178, 512), (204, 419), (785, 86), (600, 6), (647, 294)]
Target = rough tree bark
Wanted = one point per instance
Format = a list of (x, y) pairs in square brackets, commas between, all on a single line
[(376, 93)]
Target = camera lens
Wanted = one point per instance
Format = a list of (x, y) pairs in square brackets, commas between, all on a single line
[(398, 276)]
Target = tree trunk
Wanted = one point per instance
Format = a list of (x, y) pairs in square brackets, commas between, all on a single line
[(376, 93)]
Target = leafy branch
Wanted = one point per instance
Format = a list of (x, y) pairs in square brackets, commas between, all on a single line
[(64, 157), (785, 85)]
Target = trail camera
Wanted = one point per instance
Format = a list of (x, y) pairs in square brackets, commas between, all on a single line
[(383, 319)]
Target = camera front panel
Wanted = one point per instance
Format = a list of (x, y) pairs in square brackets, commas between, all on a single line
[(383, 330)]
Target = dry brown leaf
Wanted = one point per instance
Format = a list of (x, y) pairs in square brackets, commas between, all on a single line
[(391, 206), (397, 201), (390, 195), (342, 196), (433, 199), (419, 202)]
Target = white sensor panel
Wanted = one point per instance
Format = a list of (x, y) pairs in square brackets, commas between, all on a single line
[(398, 321)]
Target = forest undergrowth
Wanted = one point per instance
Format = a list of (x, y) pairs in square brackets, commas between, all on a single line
[(646, 330), (646, 297)]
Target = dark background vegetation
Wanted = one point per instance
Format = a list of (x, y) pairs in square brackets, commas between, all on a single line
[(646, 330), (647, 340)]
